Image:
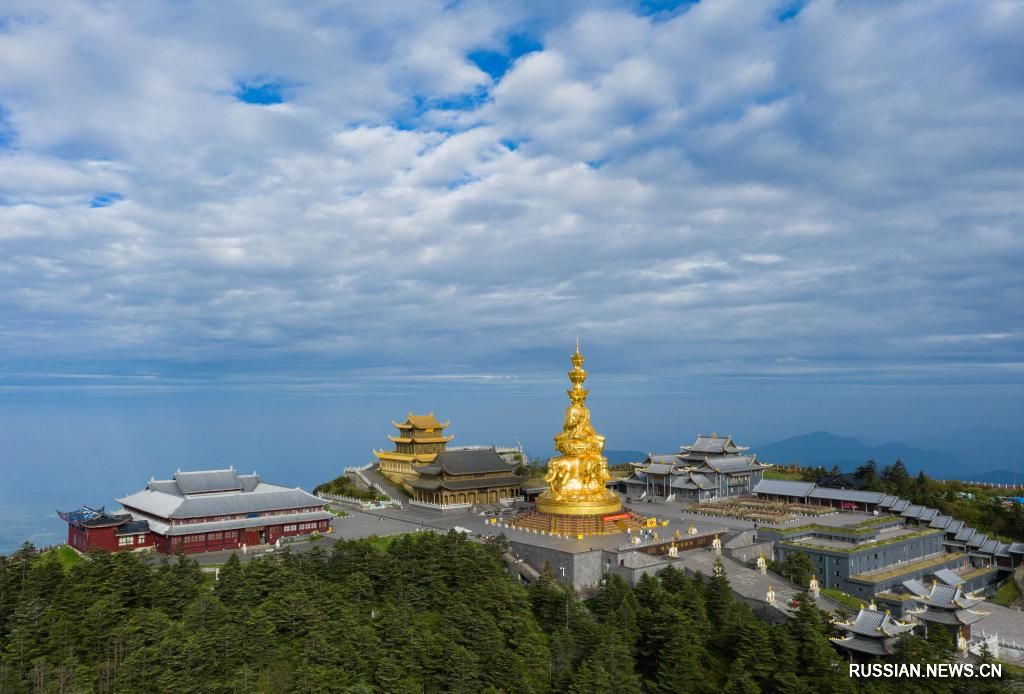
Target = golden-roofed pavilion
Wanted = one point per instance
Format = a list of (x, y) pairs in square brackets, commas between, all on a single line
[(420, 438)]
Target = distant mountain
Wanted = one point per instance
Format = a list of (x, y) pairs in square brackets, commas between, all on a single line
[(827, 449)]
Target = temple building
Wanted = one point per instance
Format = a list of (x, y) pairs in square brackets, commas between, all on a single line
[(465, 477), (420, 438), (90, 528), (200, 512), (871, 634), (712, 467), (947, 607)]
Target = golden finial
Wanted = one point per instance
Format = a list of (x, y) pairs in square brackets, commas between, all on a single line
[(577, 345)]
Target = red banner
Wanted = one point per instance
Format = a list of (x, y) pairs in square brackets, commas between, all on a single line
[(616, 516)]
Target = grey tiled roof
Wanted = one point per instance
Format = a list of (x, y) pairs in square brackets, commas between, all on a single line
[(713, 444), (693, 480), (862, 645), (875, 623), (657, 468), (1002, 550), (899, 505), (938, 617), (916, 587), (470, 461), (950, 578), (989, 547), (977, 540), (1017, 548), (940, 521), (912, 511), (888, 500), (164, 486), (955, 526), (928, 514), (846, 495), (948, 597), (783, 487), (737, 463), (265, 497), (964, 534), (206, 481)]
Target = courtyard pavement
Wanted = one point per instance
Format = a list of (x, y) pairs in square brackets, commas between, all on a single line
[(362, 523)]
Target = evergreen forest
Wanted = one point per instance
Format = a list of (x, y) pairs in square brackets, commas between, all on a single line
[(416, 613)]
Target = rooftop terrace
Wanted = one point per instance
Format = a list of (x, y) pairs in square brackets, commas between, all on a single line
[(886, 536), (902, 569)]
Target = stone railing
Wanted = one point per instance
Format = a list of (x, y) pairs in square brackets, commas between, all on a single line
[(997, 648), (362, 467), (438, 507), (362, 503)]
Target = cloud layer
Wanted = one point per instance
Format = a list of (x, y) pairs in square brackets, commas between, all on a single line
[(460, 189)]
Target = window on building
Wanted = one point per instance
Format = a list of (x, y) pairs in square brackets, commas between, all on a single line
[(126, 540)]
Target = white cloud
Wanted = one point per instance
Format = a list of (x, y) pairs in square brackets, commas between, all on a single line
[(829, 188)]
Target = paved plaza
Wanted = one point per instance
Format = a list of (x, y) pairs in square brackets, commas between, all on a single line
[(361, 523)]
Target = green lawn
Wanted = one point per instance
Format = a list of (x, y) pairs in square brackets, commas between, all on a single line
[(65, 555), (1007, 593), (338, 513), (842, 598)]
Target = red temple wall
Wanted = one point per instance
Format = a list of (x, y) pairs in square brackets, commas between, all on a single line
[(101, 538), (248, 536)]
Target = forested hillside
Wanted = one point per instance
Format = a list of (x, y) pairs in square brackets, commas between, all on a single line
[(424, 613)]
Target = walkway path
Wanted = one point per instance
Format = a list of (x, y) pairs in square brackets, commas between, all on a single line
[(374, 475), (750, 583)]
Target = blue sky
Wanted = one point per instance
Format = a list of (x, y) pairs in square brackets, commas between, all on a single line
[(760, 217)]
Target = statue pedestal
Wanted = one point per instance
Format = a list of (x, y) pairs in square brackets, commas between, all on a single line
[(573, 524), (599, 507)]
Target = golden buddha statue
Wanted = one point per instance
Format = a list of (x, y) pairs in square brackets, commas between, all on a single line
[(576, 479)]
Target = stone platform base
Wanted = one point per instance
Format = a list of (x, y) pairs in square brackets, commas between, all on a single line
[(561, 524)]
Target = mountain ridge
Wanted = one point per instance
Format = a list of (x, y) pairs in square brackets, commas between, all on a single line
[(827, 449)]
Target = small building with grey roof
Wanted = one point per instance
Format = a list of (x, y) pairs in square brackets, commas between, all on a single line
[(712, 467)]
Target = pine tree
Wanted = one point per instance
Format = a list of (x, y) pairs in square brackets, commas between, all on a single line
[(719, 595), (818, 662)]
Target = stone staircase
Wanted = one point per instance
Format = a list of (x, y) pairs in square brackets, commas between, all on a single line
[(373, 478)]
